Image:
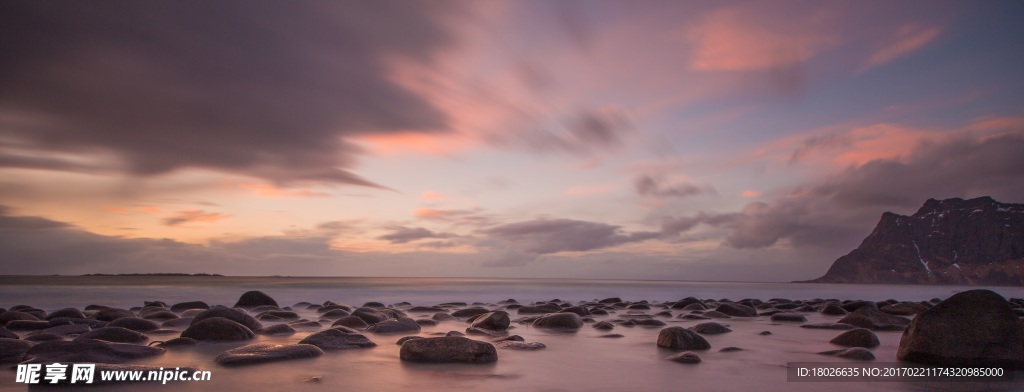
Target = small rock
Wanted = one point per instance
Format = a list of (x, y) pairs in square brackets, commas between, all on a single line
[(730, 349), (836, 326), (603, 326), (612, 336), (857, 353), (735, 310), (514, 345), (134, 324), (116, 335), (470, 312), (447, 350), (332, 339), (235, 315), (279, 329), (399, 325), (111, 314), (860, 337), (710, 328), (789, 317), (681, 338), (351, 322), (685, 357), (262, 353), (183, 306), (559, 321)]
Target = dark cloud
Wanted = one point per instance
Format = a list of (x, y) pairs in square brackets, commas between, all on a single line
[(819, 143), (586, 132), (402, 234), (186, 216), (260, 88), (648, 186), (522, 242), (839, 211)]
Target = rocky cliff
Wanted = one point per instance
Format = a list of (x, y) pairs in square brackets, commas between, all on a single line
[(953, 241)]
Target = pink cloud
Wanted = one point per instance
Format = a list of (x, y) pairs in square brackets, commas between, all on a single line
[(271, 191), (750, 194), (188, 216), (432, 196), (908, 39)]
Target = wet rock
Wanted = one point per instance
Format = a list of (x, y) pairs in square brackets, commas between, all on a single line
[(650, 323), (710, 328), (73, 321), (335, 314), (27, 325), (400, 325), (85, 350), (695, 306), (235, 315), (178, 342), (580, 310), (975, 328), (183, 306), (470, 312), (855, 353), (160, 315), (407, 338), (904, 309), (664, 314), (764, 333), (639, 307), (371, 304), (833, 310), (559, 321), (603, 326), (116, 335), (111, 314), (685, 357), (682, 339), (370, 315), (860, 337), (336, 339), (455, 333), (448, 350), (14, 315), (44, 337), (836, 326), (735, 310), (12, 350), (730, 349), (695, 317), (871, 318), (543, 309), (253, 299), (279, 329), (182, 322), (612, 336), (426, 309), (134, 324), (485, 332), (495, 321), (66, 312), (716, 314), (7, 334), (217, 329), (426, 322), (305, 324), (513, 338), (278, 315), (262, 353), (789, 317), (443, 317), (683, 303), (351, 322), (514, 345)]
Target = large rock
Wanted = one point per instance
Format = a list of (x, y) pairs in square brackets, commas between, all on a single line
[(254, 298), (183, 306), (789, 316), (952, 241), (116, 334), (351, 322), (973, 328), (736, 310), (87, 350), (542, 309), (860, 337), (7, 334), (235, 315), (682, 339), (13, 315), (559, 321), (495, 321), (134, 324), (66, 312), (332, 339), (12, 350), (370, 315), (871, 318), (447, 350), (217, 329), (399, 325), (262, 353), (469, 312)]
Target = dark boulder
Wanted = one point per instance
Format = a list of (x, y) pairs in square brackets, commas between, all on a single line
[(351, 322), (183, 306), (975, 328), (27, 325), (134, 324), (543, 309), (833, 310), (66, 312), (111, 314), (88, 350), (710, 328), (44, 337), (580, 310), (116, 335), (279, 329), (217, 329), (682, 339), (177, 323), (262, 353), (495, 321), (789, 317), (7, 334), (559, 321), (399, 325), (443, 317), (178, 342), (335, 314), (837, 326), (685, 357), (336, 339), (12, 350), (715, 314), (855, 353), (860, 337), (736, 310), (370, 315), (407, 338), (14, 315), (253, 299), (235, 315), (871, 318), (469, 312), (448, 350), (603, 326)]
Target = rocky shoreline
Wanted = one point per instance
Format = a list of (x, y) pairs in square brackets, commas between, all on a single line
[(971, 328)]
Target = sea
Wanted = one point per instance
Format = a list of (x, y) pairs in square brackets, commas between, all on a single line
[(580, 361)]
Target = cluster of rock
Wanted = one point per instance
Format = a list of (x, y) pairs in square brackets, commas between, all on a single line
[(974, 328)]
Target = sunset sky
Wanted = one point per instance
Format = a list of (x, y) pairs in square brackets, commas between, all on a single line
[(698, 140)]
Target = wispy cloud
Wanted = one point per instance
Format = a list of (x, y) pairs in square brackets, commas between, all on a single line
[(908, 38), (188, 216)]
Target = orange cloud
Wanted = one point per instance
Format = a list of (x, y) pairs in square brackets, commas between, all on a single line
[(739, 39), (187, 216), (908, 39), (431, 195), (267, 190)]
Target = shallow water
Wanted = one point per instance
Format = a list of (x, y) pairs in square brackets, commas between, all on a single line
[(571, 362)]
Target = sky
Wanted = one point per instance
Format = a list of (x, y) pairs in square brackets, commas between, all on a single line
[(697, 140)]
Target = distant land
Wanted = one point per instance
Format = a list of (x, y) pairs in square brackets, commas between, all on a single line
[(954, 241), (155, 274)]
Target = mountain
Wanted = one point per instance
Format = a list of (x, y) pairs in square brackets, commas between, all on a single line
[(954, 241)]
